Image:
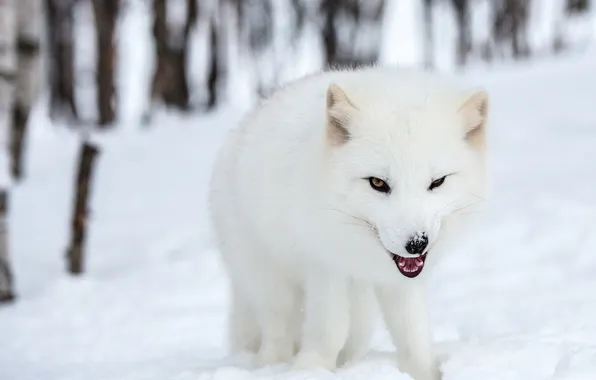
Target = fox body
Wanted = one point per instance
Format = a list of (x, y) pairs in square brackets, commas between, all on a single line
[(337, 194)]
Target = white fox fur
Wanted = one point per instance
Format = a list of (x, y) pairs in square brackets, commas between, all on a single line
[(310, 246)]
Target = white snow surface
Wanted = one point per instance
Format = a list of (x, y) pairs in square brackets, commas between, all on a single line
[(514, 301)]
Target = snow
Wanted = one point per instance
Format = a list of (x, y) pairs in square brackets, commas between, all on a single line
[(514, 301)]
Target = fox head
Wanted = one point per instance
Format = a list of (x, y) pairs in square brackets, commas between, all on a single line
[(404, 171)]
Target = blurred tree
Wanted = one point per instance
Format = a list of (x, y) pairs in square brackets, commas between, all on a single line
[(61, 70), (510, 24), (256, 36), (171, 37), (300, 13), (213, 76), (8, 69), (29, 19), (80, 213), (217, 48), (464, 32), (350, 47), (106, 15), (6, 277), (429, 46), (577, 6)]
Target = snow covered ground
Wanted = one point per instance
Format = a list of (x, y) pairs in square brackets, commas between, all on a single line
[(516, 301)]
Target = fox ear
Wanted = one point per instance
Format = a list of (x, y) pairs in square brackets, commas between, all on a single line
[(474, 112), (339, 115)]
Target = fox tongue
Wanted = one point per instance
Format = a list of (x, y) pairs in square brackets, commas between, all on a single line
[(411, 264)]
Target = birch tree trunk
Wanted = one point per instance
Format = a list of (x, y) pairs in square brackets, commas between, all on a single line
[(215, 61), (106, 15), (170, 83), (256, 36), (29, 15), (510, 26), (6, 281), (60, 22), (357, 41), (7, 74), (464, 32)]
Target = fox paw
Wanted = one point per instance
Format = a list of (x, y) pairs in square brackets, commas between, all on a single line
[(420, 371), (313, 360), (351, 355), (270, 355)]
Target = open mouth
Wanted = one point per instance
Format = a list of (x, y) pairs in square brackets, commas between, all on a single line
[(409, 266)]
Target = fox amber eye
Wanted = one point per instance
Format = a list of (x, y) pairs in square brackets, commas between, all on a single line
[(436, 183), (379, 185)]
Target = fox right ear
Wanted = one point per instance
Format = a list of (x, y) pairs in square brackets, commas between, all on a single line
[(474, 111), (339, 115)]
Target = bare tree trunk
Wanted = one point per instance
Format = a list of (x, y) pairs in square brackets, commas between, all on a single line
[(170, 83), (256, 34), (8, 23), (510, 25), (213, 75), (75, 252), (578, 6), (106, 15), (216, 75), (6, 278), (60, 22), (520, 45), (29, 14), (429, 45), (355, 16), (330, 9), (300, 13), (160, 40), (464, 39)]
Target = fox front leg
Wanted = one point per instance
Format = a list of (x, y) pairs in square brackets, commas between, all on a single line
[(406, 315), (326, 321)]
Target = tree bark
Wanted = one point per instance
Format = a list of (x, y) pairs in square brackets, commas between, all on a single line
[(76, 250), (170, 83), (29, 14), (60, 22), (106, 15)]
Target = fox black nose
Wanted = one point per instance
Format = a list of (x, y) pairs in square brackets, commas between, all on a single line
[(417, 243)]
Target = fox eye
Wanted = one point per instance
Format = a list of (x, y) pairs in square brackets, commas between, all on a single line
[(379, 185), (436, 183)]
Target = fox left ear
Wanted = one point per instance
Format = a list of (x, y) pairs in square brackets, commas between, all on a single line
[(474, 112)]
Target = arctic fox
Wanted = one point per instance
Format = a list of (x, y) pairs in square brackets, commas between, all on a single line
[(337, 194)]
